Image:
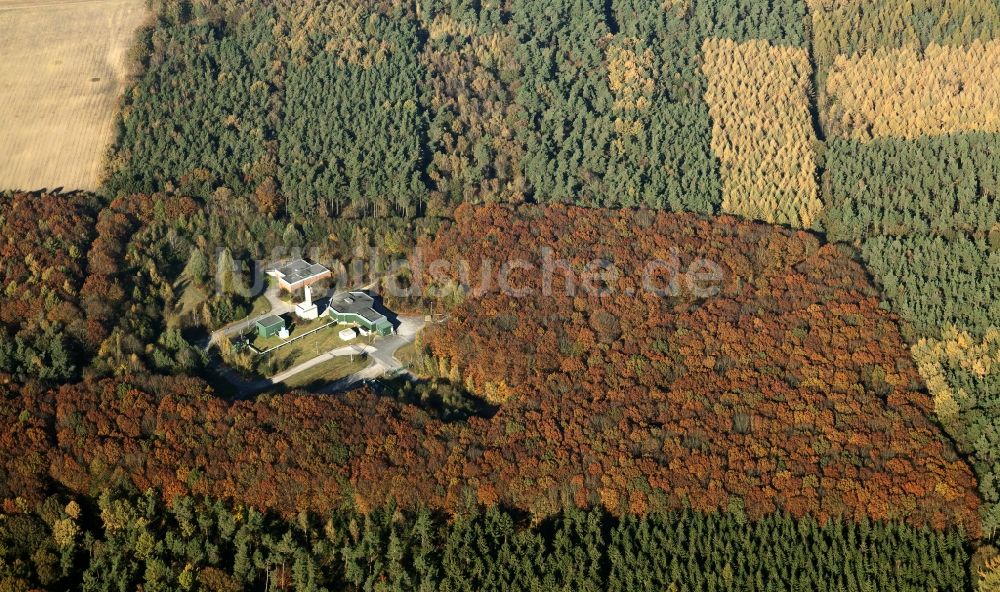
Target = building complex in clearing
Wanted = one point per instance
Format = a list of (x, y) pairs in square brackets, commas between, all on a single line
[(353, 308), (298, 273), (358, 308)]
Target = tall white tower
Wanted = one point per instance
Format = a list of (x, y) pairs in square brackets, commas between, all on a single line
[(307, 310)]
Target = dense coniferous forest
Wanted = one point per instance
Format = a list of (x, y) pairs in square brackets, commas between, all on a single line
[(354, 126), (125, 541), (474, 143), (826, 421), (203, 114), (758, 97), (944, 186), (576, 102), (849, 28)]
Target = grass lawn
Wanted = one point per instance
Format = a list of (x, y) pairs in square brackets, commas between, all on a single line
[(296, 327), (304, 349), (327, 372)]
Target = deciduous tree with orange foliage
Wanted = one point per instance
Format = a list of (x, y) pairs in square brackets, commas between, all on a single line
[(788, 391), (43, 259)]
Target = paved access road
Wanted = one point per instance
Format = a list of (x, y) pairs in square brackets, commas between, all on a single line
[(383, 358), (381, 353), (349, 350), (278, 307)]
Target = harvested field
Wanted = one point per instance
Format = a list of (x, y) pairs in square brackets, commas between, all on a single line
[(63, 69)]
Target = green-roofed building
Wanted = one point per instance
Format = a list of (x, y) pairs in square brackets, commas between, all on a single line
[(358, 308), (270, 326)]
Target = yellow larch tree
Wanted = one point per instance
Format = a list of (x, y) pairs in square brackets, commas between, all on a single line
[(758, 99), (900, 93)]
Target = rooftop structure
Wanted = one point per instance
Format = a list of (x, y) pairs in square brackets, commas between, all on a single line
[(298, 273), (358, 308)]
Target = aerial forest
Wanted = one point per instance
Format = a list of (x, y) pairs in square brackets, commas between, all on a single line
[(801, 394)]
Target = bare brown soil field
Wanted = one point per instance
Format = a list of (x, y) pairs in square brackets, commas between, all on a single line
[(63, 67)]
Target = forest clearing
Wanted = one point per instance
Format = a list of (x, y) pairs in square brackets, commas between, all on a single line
[(65, 64)]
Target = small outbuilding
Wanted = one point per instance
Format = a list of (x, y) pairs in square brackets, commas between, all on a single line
[(270, 326)]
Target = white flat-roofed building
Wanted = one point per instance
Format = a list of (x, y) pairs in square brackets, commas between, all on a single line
[(298, 274)]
